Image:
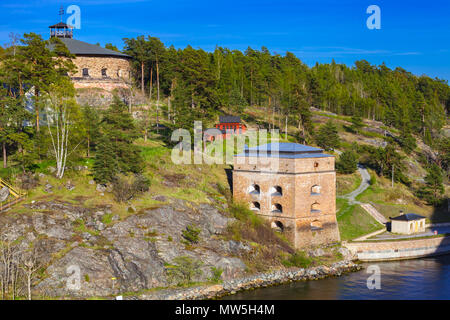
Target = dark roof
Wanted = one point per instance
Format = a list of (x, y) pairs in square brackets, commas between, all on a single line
[(81, 48), (61, 25), (284, 150), (407, 217), (229, 119)]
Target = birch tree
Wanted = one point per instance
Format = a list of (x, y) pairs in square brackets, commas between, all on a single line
[(63, 123)]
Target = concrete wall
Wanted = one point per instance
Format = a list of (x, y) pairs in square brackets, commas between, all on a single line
[(397, 250), (297, 177)]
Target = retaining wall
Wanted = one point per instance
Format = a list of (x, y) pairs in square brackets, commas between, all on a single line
[(398, 250)]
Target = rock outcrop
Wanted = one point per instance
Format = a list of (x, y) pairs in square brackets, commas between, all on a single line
[(88, 255)]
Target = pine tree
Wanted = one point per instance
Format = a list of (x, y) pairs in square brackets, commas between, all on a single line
[(347, 162), (357, 122), (434, 188), (328, 137), (105, 164), (118, 127)]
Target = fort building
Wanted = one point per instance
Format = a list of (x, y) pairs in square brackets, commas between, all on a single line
[(293, 186), (97, 67)]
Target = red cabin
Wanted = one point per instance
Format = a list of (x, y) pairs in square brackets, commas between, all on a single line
[(228, 125)]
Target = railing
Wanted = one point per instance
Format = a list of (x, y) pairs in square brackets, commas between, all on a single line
[(9, 203), (16, 193)]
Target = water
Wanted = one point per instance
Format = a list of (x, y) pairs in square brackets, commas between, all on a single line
[(427, 278)]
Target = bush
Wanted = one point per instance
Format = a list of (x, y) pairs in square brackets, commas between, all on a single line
[(183, 270), (191, 235), (241, 212), (347, 162), (125, 187), (297, 259), (216, 274)]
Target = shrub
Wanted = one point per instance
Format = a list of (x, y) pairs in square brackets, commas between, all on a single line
[(297, 259), (241, 212), (347, 162), (216, 274), (191, 235), (125, 188), (183, 270)]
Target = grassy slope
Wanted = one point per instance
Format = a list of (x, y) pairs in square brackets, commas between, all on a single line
[(388, 202)]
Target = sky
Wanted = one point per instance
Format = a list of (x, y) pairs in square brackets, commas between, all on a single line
[(414, 35)]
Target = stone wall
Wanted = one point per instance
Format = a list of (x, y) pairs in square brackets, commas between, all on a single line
[(397, 250), (118, 72), (307, 200)]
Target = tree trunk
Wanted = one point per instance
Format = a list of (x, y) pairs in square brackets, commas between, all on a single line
[(142, 78), (29, 285), (36, 107), (157, 96), (88, 147), (286, 129), (5, 160), (151, 83)]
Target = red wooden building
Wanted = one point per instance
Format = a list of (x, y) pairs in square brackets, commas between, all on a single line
[(228, 125)]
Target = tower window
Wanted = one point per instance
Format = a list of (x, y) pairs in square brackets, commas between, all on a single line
[(315, 207), (278, 226), (276, 191), (315, 190), (254, 189), (255, 206), (104, 74), (85, 72), (316, 225), (316, 164), (277, 208)]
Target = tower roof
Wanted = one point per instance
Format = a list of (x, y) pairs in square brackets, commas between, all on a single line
[(80, 48), (61, 25), (284, 150)]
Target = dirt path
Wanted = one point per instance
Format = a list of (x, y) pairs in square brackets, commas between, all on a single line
[(365, 183)]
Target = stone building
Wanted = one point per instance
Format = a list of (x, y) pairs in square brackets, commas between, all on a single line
[(97, 67), (408, 224), (293, 186)]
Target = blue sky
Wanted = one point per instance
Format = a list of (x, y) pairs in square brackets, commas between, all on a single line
[(414, 34)]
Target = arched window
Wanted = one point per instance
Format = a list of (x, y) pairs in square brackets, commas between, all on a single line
[(276, 191), (119, 73), (277, 208), (104, 73), (85, 72), (254, 189), (255, 206), (315, 190), (316, 164), (316, 225), (278, 226), (315, 207)]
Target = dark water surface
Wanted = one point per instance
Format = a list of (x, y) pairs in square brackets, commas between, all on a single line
[(427, 278)]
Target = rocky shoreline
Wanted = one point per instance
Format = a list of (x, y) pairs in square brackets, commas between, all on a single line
[(260, 280)]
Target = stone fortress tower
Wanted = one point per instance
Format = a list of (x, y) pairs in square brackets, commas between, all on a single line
[(293, 186), (97, 67)]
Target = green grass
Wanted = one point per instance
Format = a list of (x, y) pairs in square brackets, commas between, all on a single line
[(346, 183), (354, 221)]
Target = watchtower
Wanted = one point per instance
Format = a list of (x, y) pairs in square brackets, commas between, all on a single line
[(293, 186)]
